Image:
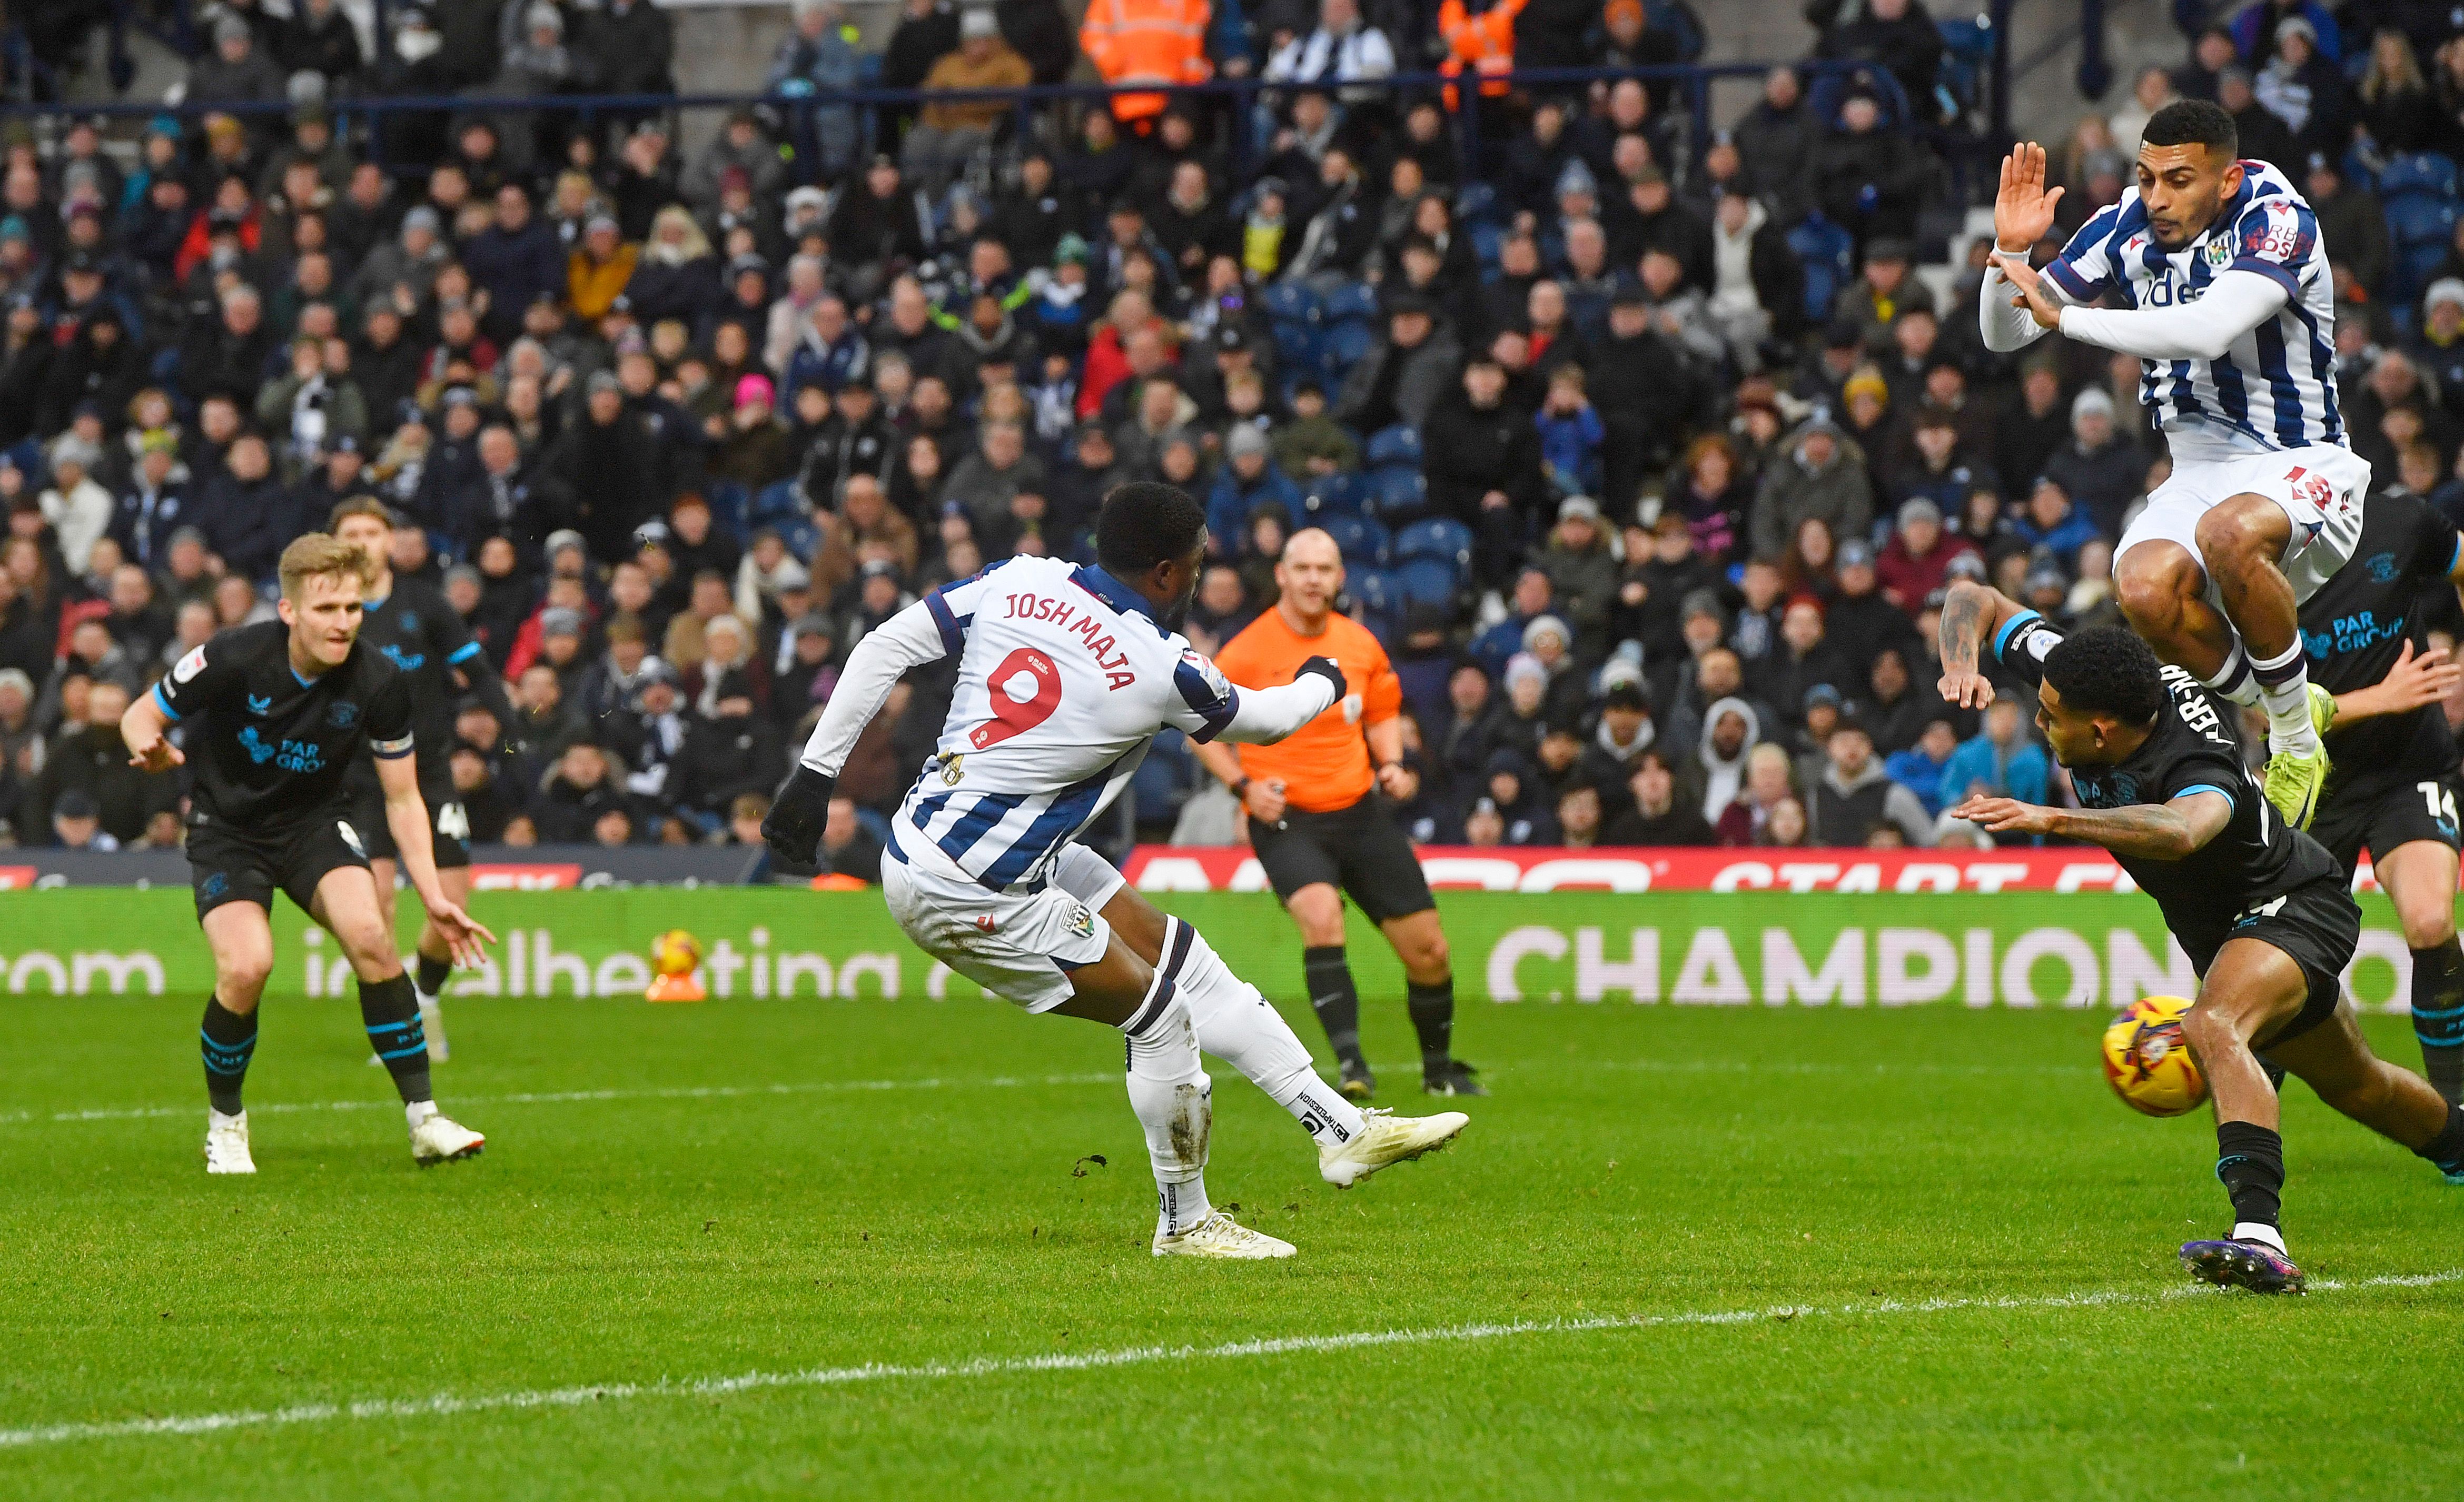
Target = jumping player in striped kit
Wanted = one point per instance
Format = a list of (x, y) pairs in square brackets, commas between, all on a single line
[(1064, 673), (2232, 311)]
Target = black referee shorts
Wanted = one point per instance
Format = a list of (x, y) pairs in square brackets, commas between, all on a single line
[(1360, 850), (2380, 819), (2318, 925), (226, 865), (448, 827)]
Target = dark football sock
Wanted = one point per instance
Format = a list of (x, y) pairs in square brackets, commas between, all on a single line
[(229, 1040), (433, 974), (1334, 997), (392, 1013), (2250, 1164), (2439, 1015), (2447, 1148), (1433, 1017)]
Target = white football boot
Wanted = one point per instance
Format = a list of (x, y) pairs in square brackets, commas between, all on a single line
[(1387, 1138), (437, 1138), (1219, 1235), (226, 1143)]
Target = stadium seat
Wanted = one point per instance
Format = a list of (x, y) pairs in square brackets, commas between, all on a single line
[(1331, 494), (802, 538), (1377, 589), (777, 503), (1827, 251), (1396, 491), (1476, 204), (1488, 244), (1347, 345), (728, 506), (1428, 581), (1440, 537), (1362, 541), (1352, 301), (2421, 227), (1288, 302), (2423, 172), (1398, 443)]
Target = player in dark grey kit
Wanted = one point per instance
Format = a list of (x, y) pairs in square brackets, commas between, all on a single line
[(410, 625), (276, 714), (2375, 696), (2259, 907)]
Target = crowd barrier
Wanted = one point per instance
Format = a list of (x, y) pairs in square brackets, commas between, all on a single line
[(1750, 948)]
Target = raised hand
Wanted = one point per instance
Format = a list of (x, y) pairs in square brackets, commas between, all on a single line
[(2023, 210)]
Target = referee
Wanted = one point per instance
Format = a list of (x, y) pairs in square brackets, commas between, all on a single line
[(1316, 821)]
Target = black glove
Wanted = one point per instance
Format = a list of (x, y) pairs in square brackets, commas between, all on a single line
[(800, 811), (1324, 667)]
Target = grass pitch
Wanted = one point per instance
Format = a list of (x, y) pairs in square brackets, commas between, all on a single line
[(859, 1249)]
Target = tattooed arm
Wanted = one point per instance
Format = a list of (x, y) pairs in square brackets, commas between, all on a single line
[(1970, 615), (2148, 831)]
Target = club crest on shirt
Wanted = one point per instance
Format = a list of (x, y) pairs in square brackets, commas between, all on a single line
[(343, 715), (2219, 252), (954, 768), (2382, 568)]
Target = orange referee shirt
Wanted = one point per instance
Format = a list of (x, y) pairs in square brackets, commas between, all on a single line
[(1324, 765)]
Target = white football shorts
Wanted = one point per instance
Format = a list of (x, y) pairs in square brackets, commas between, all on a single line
[(2321, 488), (1018, 945)]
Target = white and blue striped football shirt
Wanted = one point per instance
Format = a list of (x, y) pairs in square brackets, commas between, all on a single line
[(1065, 675), (2275, 387)]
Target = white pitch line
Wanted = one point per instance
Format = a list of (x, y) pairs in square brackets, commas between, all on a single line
[(449, 1405)]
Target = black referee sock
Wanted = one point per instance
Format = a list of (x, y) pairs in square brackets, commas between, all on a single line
[(433, 974), (229, 1040), (2250, 1164), (2446, 1150), (1335, 998), (2439, 1015), (1433, 1017), (392, 1013)]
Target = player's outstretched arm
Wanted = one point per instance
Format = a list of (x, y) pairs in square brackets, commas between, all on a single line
[(1264, 716), (2144, 831), (1972, 613), (2235, 303), (406, 815), (800, 811), (141, 728)]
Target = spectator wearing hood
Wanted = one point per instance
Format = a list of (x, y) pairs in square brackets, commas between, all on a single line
[(1817, 480), (1660, 812), (1730, 730), (1511, 790), (1855, 797), (2100, 469)]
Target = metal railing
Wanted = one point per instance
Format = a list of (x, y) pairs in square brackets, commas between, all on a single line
[(1693, 82)]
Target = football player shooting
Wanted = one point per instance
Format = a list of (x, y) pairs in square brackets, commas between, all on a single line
[(279, 711), (1063, 676), (2259, 907), (2378, 707), (2231, 311), (411, 626)]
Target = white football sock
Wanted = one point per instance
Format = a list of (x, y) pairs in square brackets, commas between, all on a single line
[(2284, 689), (2260, 1231), (2233, 680), (1239, 1027), (1175, 1104)]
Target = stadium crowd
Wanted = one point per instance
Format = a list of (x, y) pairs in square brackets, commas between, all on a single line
[(1650, 455)]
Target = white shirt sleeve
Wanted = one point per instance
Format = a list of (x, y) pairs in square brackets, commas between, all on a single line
[(1264, 716), (2235, 303), (2007, 328), (908, 638)]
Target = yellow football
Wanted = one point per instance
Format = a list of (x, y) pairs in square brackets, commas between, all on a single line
[(2146, 1062), (675, 952)]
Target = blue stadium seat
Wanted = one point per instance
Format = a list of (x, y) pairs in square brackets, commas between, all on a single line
[(2421, 227), (1362, 541), (1487, 243), (1396, 491), (1476, 204), (1440, 537), (1299, 346), (1377, 589), (2417, 172), (1290, 302), (1350, 300), (1428, 581), (728, 506), (1398, 444), (777, 503), (1347, 345), (1826, 250), (1330, 495), (801, 538)]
